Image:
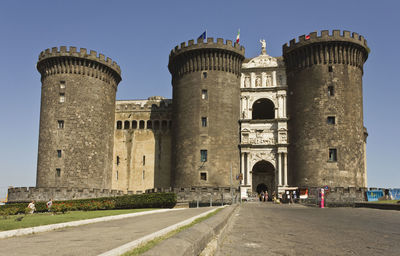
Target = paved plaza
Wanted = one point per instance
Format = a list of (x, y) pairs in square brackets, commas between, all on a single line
[(267, 229)]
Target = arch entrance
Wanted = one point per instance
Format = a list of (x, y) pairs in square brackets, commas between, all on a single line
[(263, 177), (263, 109)]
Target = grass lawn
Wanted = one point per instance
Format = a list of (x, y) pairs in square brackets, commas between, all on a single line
[(39, 219), (385, 202)]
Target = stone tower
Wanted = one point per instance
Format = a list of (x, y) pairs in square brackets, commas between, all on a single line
[(76, 118), (206, 93), (325, 108)]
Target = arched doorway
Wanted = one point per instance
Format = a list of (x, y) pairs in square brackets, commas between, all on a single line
[(263, 177), (263, 109)]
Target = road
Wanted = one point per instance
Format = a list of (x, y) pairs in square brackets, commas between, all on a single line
[(259, 228), (93, 239)]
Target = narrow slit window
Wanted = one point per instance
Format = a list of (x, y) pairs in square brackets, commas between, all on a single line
[(203, 155), (204, 94), (331, 91), (204, 75), (330, 68), (143, 175), (134, 124), (141, 124), (117, 175), (144, 160), (118, 160), (59, 153), (204, 121), (62, 97), (62, 84), (126, 125), (58, 172), (332, 155), (149, 124)]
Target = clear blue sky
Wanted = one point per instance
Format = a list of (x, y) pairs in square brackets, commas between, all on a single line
[(139, 36)]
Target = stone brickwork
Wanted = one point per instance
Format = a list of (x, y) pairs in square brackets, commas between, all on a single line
[(142, 144), (24, 194), (337, 196), (325, 108), (206, 84), (76, 118)]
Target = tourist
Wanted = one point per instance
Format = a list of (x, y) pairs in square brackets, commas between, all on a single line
[(261, 196), (31, 206), (266, 196), (49, 204)]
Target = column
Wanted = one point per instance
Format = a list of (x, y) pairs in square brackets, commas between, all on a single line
[(284, 105), (285, 167), (279, 169), (242, 169), (263, 79), (249, 180), (252, 80), (242, 81), (280, 106), (273, 78)]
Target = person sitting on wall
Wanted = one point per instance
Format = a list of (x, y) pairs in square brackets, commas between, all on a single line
[(32, 207)]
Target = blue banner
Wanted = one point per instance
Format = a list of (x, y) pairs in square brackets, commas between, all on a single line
[(394, 193), (373, 195)]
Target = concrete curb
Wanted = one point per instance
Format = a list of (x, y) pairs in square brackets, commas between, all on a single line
[(192, 241), (378, 206), (131, 245), (39, 229)]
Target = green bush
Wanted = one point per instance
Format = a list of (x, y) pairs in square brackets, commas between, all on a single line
[(154, 200)]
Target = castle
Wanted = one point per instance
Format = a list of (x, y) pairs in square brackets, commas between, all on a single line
[(251, 123)]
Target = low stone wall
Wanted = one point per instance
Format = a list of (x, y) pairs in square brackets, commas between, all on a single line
[(337, 196), (25, 194)]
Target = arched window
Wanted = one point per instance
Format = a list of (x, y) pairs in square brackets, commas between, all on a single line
[(263, 109), (126, 125), (141, 124), (119, 125), (134, 124), (149, 124)]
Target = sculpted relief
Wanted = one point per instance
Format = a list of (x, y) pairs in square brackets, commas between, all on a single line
[(258, 137)]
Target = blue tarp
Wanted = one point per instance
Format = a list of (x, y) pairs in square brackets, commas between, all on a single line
[(373, 195), (394, 193)]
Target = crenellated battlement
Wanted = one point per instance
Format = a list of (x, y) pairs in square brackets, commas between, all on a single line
[(324, 36), (209, 43), (72, 52), (151, 104)]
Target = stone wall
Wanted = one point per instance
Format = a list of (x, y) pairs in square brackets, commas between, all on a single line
[(337, 196), (25, 194)]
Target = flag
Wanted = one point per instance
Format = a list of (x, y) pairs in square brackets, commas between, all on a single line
[(238, 36), (203, 36), (307, 37)]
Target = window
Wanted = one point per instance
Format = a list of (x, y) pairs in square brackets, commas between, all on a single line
[(117, 175), (119, 125), (62, 97), (126, 125), (141, 124), (204, 94), (164, 124), (134, 124), (330, 69), (149, 124), (203, 176), (60, 124), (144, 160), (331, 91), (203, 155), (59, 153), (204, 74), (330, 120), (332, 155), (58, 172), (204, 121), (62, 84), (156, 125), (118, 160), (143, 174)]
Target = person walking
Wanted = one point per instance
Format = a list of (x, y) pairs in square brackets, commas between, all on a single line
[(32, 207)]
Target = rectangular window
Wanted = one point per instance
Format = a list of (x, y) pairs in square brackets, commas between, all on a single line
[(62, 84), (204, 121), (331, 120), (203, 176), (332, 155), (59, 153), (143, 173), (60, 124), (203, 155), (331, 91), (58, 172), (204, 74), (204, 94), (118, 161), (117, 175), (330, 69), (144, 160), (62, 97)]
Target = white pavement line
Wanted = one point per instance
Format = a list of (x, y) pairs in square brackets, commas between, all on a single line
[(132, 245), (39, 229)]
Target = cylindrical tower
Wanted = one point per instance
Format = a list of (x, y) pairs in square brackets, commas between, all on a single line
[(76, 118), (325, 107), (206, 96)]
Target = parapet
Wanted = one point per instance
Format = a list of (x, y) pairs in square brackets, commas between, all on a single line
[(209, 44), (82, 54), (335, 36)]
